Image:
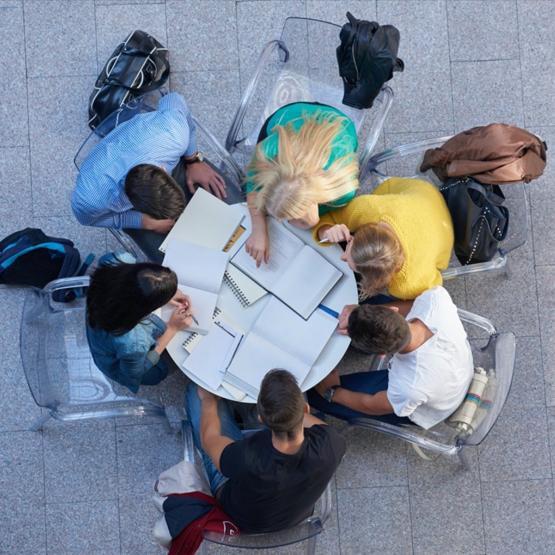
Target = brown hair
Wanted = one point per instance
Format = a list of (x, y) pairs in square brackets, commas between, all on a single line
[(154, 192), (281, 403), (378, 255), (295, 179), (378, 329)]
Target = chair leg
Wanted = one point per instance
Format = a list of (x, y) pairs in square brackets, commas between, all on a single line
[(39, 423), (463, 459), (311, 545)]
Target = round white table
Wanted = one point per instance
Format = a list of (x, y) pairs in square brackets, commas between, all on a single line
[(344, 292)]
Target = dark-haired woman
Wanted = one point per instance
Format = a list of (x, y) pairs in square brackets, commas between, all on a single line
[(125, 338)]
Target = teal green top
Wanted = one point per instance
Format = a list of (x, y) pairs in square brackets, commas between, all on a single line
[(344, 143)]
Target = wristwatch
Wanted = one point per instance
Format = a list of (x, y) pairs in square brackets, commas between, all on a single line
[(329, 393), (197, 157)]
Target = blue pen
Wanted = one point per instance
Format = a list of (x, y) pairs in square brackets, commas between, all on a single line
[(328, 310)]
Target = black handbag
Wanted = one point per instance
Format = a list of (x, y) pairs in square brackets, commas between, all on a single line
[(137, 66), (480, 221), (367, 58)]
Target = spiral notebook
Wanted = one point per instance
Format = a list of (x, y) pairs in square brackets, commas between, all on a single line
[(296, 274), (194, 338), (246, 290)]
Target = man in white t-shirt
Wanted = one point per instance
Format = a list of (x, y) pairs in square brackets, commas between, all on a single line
[(429, 373)]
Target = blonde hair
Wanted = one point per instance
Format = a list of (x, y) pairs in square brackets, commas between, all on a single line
[(295, 179), (378, 255)]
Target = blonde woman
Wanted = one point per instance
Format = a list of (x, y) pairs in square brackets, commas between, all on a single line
[(305, 166), (399, 238)]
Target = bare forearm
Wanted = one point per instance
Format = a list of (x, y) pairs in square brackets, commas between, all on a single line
[(164, 339), (258, 218), (373, 405), (211, 438), (209, 422)]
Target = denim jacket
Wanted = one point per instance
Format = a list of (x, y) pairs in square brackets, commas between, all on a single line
[(127, 358)]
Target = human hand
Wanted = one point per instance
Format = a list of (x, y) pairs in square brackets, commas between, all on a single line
[(335, 233), (180, 319), (200, 173), (158, 226), (180, 300), (331, 380), (344, 318), (257, 245)]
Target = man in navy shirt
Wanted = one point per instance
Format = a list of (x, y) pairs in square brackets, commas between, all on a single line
[(270, 479)]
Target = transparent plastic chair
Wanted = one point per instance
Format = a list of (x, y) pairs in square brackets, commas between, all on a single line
[(301, 66), (307, 530), (497, 356), (58, 365), (405, 160)]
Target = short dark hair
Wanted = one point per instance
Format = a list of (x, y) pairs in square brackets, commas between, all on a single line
[(378, 329), (154, 192), (119, 297), (281, 403)]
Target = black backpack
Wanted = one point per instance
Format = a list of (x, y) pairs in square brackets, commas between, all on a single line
[(367, 58), (140, 64), (29, 257)]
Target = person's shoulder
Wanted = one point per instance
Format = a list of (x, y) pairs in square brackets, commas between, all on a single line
[(432, 300), (321, 435)]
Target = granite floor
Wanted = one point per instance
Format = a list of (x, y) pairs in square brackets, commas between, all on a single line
[(85, 488)]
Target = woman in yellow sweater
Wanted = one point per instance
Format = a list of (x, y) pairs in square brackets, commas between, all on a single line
[(399, 237)]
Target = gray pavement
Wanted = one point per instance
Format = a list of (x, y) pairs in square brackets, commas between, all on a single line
[(85, 488)]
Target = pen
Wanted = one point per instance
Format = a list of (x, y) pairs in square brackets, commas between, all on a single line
[(328, 310), (194, 319)]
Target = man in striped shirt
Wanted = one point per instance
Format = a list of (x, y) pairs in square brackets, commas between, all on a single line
[(147, 199)]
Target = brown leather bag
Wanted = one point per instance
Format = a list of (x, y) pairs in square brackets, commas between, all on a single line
[(497, 153)]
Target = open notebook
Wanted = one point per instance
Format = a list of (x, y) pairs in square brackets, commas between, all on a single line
[(206, 221), (279, 338), (212, 356), (199, 272), (296, 273)]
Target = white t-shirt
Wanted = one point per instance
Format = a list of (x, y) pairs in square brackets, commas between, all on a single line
[(428, 384)]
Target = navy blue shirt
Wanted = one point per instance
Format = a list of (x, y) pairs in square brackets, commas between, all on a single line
[(268, 490)]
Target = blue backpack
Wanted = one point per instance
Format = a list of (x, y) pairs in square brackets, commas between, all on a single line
[(29, 257)]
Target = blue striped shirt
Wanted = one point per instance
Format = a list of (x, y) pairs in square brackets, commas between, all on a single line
[(159, 138)]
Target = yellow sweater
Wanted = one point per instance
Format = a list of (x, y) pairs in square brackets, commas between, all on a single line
[(417, 212)]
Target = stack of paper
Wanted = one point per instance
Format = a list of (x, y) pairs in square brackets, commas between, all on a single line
[(296, 273), (279, 338), (212, 356), (199, 272), (206, 221)]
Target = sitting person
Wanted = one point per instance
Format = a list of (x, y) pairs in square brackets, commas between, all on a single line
[(305, 165), (271, 479), (429, 373), (126, 181), (125, 338), (399, 237)]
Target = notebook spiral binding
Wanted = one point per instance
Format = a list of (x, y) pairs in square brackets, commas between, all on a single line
[(236, 290), (194, 335)]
